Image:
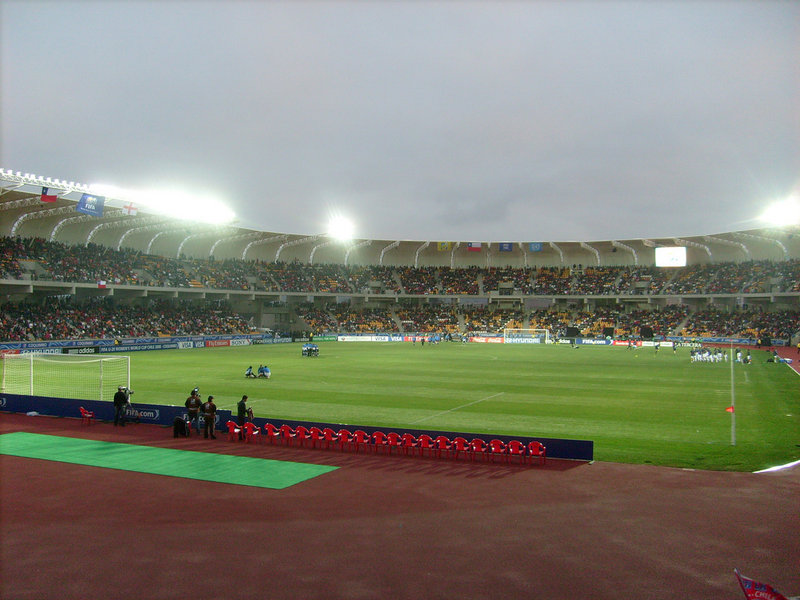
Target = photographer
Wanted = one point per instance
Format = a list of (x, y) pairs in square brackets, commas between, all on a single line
[(121, 403)]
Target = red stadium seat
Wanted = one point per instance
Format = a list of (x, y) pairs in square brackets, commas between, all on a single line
[(271, 432), (460, 445), (392, 440), (442, 444), (316, 436), (87, 416), (302, 434), (497, 447), (517, 448), (328, 436), (360, 438), (251, 432), (378, 440), (477, 447), (425, 442), (286, 434), (345, 439), (233, 431), (537, 449), (408, 442)]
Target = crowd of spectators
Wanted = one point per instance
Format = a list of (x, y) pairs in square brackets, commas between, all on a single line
[(37, 258), (61, 319)]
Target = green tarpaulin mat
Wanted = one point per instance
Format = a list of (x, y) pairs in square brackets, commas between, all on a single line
[(222, 468)]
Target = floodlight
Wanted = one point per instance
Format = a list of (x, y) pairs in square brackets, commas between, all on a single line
[(341, 228)]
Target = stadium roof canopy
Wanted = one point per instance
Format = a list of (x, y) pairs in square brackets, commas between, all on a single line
[(60, 215)]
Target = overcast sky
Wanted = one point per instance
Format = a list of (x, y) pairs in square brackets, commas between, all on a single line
[(468, 121)]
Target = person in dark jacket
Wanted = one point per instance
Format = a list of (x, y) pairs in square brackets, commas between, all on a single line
[(121, 402), (241, 415), (210, 417)]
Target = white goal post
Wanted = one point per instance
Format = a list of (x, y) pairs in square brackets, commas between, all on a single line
[(526, 336), (83, 377)]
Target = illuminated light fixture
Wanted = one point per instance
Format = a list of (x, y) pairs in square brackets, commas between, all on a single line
[(784, 212), (171, 203), (341, 228)]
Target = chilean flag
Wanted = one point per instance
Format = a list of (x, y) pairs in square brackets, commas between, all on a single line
[(474, 246), (47, 196), (754, 590)]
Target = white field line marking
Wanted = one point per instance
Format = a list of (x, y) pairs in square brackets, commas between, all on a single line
[(779, 467), (444, 412)]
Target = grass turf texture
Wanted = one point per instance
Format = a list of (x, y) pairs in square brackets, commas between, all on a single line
[(238, 470), (636, 405)]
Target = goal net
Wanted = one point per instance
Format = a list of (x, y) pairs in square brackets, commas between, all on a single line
[(526, 336), (65, 375)]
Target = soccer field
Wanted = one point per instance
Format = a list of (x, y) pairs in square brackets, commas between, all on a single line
[(638, 406)]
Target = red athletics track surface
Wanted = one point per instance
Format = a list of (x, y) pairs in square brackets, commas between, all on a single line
[(387, 527)]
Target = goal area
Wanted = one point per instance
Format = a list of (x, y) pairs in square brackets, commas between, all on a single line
[(65, 375), (526, 336)]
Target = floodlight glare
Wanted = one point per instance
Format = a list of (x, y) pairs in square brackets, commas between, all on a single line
[(341, 228), (180, 205), (783, 213)]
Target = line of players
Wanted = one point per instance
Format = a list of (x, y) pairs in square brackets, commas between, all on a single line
[(715, 355)]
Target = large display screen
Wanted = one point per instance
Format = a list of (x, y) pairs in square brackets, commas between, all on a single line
[(671, 256)]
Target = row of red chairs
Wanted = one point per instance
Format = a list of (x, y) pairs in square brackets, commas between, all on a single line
[(387, 442)]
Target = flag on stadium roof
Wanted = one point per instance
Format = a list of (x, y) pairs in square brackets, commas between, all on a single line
[(474, 246), (91, 205), (535, 247), (506, 246), (753, 590), (47, 196), (131, 209), (444, 246)]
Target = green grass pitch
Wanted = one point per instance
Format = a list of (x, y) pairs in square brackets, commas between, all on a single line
[(637, 406)]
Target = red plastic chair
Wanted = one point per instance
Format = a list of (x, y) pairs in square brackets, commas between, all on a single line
[(392, 440), (316, 436), (497, 447), (537, 449), (345, 438), (87, 416), (302, 434), (233, 431), (408, 442), (360, 438), (460, 445), (271, 432), (517, 448), (286, 433), (442, 444), (378, 440), (425, 442), (476, 447), (252, 432), (328, 436)]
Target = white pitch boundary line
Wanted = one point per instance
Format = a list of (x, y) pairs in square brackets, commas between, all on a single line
[(779, 467), (444, 412)]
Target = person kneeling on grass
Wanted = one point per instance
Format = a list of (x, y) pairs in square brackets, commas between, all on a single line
[(263, 371), (249, 372)]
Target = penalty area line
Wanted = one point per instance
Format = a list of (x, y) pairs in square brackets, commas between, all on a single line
[(449, 410)]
